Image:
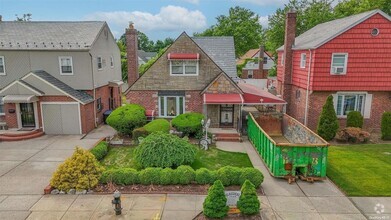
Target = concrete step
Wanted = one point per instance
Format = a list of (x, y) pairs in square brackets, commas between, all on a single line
[(229, 139), (26, 136)]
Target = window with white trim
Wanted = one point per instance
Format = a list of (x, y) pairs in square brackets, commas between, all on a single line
[(183, 67), (2, 65), (250, 74), (111, 61), (1, 106), (99, 62), (350, 102), (339, 63), (171, 106), (99, 105), (66, 65), (282, 60), (303, 60), (265, 60)]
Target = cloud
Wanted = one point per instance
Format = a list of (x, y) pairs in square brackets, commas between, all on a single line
[(196, 2), (263, 20), (169, 19), (264, 2)]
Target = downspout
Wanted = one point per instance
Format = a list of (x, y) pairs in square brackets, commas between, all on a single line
[(308, 88), (94, 89)]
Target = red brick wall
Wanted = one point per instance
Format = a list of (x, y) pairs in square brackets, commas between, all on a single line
[(10, 118), (87, 117), (256, 74)]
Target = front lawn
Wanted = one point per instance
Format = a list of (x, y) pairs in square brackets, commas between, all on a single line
[(212, 159), (361, 170)]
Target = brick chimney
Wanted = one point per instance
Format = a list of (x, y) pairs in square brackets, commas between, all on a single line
[(290, 34), (260, 62), (131, 53)]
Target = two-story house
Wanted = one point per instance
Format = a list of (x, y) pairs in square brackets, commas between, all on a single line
[(195, 74), (58, 76), (348, 58), (259, 68)]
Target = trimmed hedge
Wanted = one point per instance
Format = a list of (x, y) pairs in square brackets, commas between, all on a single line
[(100, 150), (215, 204), (248, 203), (188, 123), (354, 119), (139, 132), (386, 126), (158, 125), (126, 118), (328, 122), (182, 175)]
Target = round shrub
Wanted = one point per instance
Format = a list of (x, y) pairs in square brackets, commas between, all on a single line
[(354, 119), (150, 176), (158, 125), (188, 123), (229, 175), (386, 126), (126, 118), (167, 176), (184, 175), (80, 171), (328, 122), (205, 176), (139, 132), (164, 150), (215, 204), (253, 175), (100, 150), (248, 203), (121, 176)]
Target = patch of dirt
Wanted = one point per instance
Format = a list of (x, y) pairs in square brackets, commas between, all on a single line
[(160, 189), (201, 216)]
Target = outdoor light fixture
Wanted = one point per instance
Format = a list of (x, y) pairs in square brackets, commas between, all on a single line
[(117, 202), (261, 100)]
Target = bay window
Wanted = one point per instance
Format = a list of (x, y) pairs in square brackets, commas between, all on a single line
[(171, 106), (350, 102)]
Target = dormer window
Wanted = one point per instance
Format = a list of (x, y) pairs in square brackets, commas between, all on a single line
[(339, 63), (183, 64)]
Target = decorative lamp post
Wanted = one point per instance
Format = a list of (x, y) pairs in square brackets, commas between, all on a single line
[(117, 202)]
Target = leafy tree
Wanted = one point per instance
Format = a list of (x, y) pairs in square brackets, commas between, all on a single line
[(215, 204), (386, 126), (350, 7), (248, 202), (328, 121), (25, 17), (241, 23), (124, 63)]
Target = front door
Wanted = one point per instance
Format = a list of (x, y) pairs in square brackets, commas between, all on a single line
[(226, 115), (27, 114)]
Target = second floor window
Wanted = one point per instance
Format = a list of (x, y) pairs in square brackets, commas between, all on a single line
[(250, 74), (66, 65), (303, 60), (111, 61), (1, 106), (339, 63), (2, 66), (183, 67), (265, 60), (100, 65)]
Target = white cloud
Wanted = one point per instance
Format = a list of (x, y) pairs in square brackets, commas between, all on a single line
[(265, 2), (263, 20), (169, 19)]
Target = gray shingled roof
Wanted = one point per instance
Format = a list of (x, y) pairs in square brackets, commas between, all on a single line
[(44, 35), (80, 96), (221, 50), (145, 56), (322, 33)]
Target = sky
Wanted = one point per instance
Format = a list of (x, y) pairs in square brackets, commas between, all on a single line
[(156, 18)]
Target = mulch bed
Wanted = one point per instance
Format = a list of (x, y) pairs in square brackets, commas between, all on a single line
[(201, 216), (159, 189)]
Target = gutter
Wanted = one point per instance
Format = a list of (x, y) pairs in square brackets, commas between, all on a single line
[(308, 88), (94, 89)]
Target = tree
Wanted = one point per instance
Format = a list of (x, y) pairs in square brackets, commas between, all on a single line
[(124, 60), (215, 204), (351, 7), (328, 121), (248, 203), (241, 23), (25, 17)]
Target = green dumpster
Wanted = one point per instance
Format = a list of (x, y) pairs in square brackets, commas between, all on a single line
[(288, 148)]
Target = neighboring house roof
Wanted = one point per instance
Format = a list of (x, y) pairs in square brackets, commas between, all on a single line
[(322, 33), (49, 35), (250, 54), (80, 96), (145, 56), (221, 50)]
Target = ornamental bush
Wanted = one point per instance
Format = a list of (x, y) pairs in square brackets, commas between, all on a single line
[(188, 123), (386, 126), (205, 176), (328, 122), (139, 132), (158, 125), (150, 176), (229, 175), (100, 150), (215, 204), (80, 171), (121, 176), (184, 175), (164, 150), (353, 135), (354, 119), (126, 118), (253, 175), (248, 203), (168, 176)]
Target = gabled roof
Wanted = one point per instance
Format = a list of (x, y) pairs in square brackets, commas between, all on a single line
[(49, 35), (322, 33), (145, 56), (251, 54), (221, 50), (80, 96)]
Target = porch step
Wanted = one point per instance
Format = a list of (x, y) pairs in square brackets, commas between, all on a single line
[(230, 137), (21, 136)]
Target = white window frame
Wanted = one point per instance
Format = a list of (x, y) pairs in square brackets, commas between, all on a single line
[(2, 104), (101, 62), (184, 68), (3, 73), (282, 60), (165, 113), (303, 60), (111, 61), (248, 74), (60, 63), (345, 67), (99, 105), (358, 95)]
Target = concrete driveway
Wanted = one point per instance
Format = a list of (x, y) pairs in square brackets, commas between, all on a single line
[(26, 168)]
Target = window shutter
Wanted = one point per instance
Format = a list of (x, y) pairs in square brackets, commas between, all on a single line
[(368, 106)]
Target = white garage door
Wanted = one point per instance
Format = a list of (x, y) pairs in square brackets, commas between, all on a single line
[(61, 118)]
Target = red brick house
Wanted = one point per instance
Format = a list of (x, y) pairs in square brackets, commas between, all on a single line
[(57, 76), (195, 74), (348, 58)]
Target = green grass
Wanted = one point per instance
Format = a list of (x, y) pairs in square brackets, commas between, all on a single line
[(211, 159), (361, 170)]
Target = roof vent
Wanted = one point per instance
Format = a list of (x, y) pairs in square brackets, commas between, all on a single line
[(375, 32)]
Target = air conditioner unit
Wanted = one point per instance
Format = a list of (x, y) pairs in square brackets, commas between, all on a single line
[(337, 70)]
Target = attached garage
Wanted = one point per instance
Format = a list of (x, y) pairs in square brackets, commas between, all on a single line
[(61, 118)]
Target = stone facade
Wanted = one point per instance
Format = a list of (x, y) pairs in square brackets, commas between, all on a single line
[(213, 112), (222, 85)]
